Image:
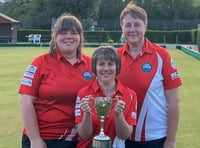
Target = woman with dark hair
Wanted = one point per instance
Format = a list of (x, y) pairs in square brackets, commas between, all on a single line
[(106, 64), (49, 88)]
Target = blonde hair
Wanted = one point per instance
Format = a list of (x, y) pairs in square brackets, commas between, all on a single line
[(135, 11)]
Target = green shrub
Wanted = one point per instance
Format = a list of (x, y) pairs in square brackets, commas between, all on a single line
[(177, 36), (110, 40), (198, 38), (194, 36), (156, 36), (23, 33)]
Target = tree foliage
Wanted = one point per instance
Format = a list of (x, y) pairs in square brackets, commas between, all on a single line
[(110, 9), (39, 13)]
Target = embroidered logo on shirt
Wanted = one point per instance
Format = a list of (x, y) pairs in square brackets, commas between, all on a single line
[(77, 112), (146, 67), (30, 71), (87, 75), (29, 74), (131, 97), (26, 81), (173, 64), (174, 75), (77, 107), (133, 115), (77, 102), (31, 68)]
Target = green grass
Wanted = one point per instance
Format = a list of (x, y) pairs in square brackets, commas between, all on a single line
[(14, 60), (189, 69)]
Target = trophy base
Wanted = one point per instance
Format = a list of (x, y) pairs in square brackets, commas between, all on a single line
[(101, 142)]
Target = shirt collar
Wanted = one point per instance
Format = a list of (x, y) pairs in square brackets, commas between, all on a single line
[(120, 89), (60, 56), (146, 49)]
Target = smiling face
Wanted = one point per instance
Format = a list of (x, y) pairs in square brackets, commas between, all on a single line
[(68, 42), (67, 36), (105, 70), (133, 29)]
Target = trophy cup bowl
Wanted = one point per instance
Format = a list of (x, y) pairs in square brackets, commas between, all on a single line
[(102, 106)]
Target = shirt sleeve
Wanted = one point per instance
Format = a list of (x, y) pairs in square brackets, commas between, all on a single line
[(171, 76), (131, 107), (31, 79), (78, 111)]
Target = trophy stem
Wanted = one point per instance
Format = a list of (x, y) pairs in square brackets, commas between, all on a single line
[(102, 106), (102, 124)]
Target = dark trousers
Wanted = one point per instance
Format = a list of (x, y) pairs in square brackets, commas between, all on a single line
[(50, 143), (145, 144)]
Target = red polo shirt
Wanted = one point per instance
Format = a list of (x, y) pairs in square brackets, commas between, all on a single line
[(127, 95), (55, 83), (149, 75)]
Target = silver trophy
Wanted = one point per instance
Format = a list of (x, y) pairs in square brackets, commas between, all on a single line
[(102, 106)]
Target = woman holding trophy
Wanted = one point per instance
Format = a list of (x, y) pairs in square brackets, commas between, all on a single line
[(105, 109)]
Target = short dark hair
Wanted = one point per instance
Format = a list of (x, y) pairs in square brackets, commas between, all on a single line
[(66, 22), (135, 11), (106, 52)]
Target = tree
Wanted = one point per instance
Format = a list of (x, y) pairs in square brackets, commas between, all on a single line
[(111, 9), (39, 13), (167, 9)]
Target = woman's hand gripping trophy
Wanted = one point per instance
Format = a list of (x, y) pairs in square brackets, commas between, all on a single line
[(85, 104), (120, 105)]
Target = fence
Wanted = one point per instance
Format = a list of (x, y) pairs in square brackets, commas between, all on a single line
[(114, 24), (193, 53)]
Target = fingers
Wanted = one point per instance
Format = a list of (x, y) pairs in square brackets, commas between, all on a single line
[(120, 106), (85, 104)]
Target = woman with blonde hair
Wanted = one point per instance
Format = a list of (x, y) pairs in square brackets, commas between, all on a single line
[(149, 70)]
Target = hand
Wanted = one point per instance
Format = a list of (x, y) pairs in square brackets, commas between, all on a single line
[(39, 143), (169, 144), (120, 106), (85, 104)]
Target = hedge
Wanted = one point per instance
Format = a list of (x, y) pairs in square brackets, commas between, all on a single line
[(198, 39), (156, 36)]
